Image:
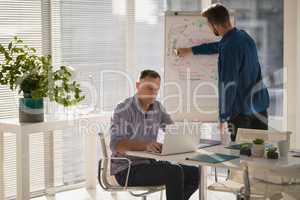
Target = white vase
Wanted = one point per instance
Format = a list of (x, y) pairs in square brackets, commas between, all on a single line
[(258, 150)]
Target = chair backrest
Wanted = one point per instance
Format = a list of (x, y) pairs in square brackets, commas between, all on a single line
[(106, 181), (103, 145), (248, 135)]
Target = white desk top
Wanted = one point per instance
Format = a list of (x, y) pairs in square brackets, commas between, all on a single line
[(282, 164), (181, 158)]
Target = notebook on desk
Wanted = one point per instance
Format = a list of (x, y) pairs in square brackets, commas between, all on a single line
[(208, 143), (213, 158), (238, 146)]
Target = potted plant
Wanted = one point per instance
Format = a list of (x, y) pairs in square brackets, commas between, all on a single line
[(33, 76), (258, 147), (272, 153), (245, 149)]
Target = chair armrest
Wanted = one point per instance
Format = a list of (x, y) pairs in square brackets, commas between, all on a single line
[(128, 169)]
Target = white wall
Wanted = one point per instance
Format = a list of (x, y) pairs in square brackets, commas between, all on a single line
[(205, 4), (298, 76), (292, 71)]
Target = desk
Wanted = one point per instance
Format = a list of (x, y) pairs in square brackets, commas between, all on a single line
[(88, 125), (181, 159), (274, 165)]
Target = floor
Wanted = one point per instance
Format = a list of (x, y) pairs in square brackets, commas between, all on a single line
[(99, 194)]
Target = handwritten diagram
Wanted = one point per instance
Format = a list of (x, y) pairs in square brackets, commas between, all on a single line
[(190, 91), (187, 32)]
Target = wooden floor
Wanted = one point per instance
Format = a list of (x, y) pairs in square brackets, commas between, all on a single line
[(99, 194), (82, 194)]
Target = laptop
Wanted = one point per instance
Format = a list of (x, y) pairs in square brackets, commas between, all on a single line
[(176, 144), (176, 141), (179, 139)]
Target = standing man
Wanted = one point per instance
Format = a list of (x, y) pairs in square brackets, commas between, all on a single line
[(243, 98)]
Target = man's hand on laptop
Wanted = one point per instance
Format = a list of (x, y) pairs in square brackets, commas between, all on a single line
[(154, 147)]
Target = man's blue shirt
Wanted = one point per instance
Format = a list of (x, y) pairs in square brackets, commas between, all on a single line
[(241, 89)]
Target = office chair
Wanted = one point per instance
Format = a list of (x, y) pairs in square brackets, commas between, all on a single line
[(109, 183)]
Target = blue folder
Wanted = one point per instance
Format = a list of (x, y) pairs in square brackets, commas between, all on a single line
[(214, 158), (238, 146)]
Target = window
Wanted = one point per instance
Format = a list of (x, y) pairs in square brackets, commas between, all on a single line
[(184, 5), (22, 18), (91, 38), (93, 42)]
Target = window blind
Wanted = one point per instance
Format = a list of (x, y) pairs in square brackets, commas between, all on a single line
[(19, 18), (149, 16), (29, 20), (90, 36), (8, 103)]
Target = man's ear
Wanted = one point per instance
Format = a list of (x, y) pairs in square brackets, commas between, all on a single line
[(137, 84), (214, 26)]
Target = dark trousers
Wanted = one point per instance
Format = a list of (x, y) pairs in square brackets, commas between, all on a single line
[(255, 121), (180, 181)]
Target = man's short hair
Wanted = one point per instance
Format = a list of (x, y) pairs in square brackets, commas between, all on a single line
[(216, 14), (149, 73)]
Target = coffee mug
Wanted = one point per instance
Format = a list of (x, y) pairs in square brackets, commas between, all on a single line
[(225, 138), (283, 147)]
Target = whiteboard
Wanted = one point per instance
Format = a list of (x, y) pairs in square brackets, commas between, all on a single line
[(190, 83)]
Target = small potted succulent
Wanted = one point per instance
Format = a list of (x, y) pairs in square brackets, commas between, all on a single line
[(258, 148), (272, 153), (245, 150), (34, 77)]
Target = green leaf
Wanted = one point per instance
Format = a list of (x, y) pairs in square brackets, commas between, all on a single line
[(10, 45), (22, 69), (33, 50), (2, 49), (258, 141), (7, 56), (18, 50)]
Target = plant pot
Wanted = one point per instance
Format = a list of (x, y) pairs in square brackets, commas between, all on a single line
[(272, 155), (31, 110), (245, 152), (258, 150)]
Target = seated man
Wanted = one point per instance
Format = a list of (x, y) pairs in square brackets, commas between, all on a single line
[(134, 127)]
